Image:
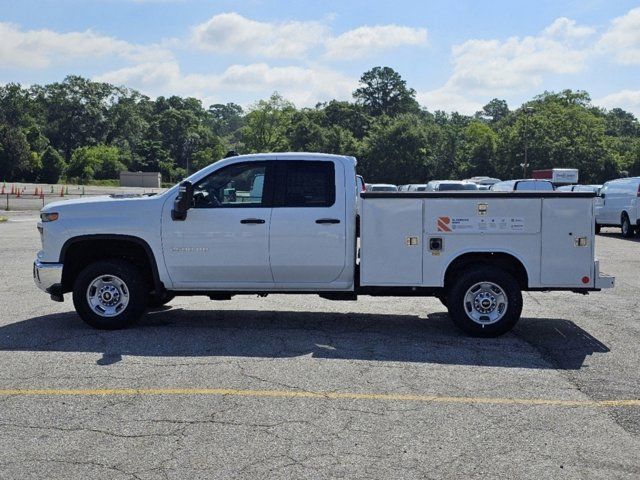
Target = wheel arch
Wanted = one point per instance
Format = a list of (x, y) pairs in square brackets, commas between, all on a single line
[(79, 250), (504, 260)]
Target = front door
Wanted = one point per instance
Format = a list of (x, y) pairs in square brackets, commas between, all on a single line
[(308, 223), (224, 241)]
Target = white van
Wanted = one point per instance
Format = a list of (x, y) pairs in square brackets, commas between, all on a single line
[(447, 185), (524, 185), (618, 205)]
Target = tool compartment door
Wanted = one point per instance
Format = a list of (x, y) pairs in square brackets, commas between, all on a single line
[(563, 262), (391, 242)]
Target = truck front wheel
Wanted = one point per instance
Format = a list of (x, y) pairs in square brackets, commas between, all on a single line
[(110, 294), (485, 301)]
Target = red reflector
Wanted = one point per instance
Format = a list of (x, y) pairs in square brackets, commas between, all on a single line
[(585, 279)]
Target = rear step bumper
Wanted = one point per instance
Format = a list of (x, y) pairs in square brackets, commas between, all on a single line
[(602, 280)]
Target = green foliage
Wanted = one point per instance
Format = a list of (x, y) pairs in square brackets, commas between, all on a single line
[(53, 166), (382, 91), (99, 162), (15, 155), (266, 125), (91, 130), (494, 111), (398, 150)]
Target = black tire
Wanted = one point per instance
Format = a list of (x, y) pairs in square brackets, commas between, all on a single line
[(598, 228), (443, 300), (625, 226), (471, 277), (157, 301), (132, 284)]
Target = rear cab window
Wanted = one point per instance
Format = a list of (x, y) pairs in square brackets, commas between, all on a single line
[(305, 184)]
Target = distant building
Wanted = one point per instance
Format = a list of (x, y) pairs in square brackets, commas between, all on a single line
[(141, 179)]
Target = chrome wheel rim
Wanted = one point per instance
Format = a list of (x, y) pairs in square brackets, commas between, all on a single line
[(108, 295), (625, 226), (485, 303)]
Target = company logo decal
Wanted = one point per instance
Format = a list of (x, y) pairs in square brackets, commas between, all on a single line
[(444, 224)]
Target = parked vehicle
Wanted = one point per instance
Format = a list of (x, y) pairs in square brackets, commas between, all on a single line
[(579, 188), (382, 187), (557, 176), (449, 185), (524, 185), (475, 251), (619, 205), (417, 187), (487, 181)]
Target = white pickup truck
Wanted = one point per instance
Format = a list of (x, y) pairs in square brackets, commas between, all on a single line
[(296, 223)]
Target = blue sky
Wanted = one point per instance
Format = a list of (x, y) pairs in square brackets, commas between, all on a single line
[(456, 54)]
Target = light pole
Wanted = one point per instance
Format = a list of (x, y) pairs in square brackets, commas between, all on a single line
[(527, 113)]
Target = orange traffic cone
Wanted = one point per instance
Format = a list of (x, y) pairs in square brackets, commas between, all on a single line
[(2, 190), (18, 193), (13, 190), (62, 192), (42, 193), (35, 192)]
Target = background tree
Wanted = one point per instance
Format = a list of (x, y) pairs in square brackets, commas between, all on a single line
[(53, 166), (266, 125), (97, 162), (99, 129), (15, 155), (397, 150), (382, 91), (494, 111)]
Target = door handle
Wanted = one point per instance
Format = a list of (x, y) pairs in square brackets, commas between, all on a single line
[(327, 220), (252, 220)]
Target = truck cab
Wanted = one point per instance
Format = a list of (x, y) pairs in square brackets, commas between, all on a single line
[(296, 223)]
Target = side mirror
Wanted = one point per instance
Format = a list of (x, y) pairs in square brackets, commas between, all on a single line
[(183, 201), (602, 195)]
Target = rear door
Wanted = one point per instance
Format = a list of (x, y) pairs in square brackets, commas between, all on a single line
[(565, 261), (308, 222)]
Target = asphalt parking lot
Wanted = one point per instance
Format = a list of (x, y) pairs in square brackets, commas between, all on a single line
[(300, 387)]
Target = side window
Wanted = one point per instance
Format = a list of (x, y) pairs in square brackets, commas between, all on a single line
[(309, 184), (238, 185)]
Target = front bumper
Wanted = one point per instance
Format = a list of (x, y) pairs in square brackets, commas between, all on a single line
[(48, 277)]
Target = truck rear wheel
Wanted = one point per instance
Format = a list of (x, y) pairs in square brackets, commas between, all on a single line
[(485, 301), (110, 294)]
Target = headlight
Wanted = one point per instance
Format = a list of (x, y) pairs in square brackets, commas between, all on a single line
[(49, 217)]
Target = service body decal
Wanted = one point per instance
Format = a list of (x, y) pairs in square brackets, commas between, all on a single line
[(478, 225)]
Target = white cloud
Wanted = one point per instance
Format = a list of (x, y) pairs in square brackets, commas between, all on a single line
[(304, 86), (515, 64), (367, 41), (43, 48), (622, 39), (448, 101), (564, 27), (626, 99), (233, 33), (486, 68)]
